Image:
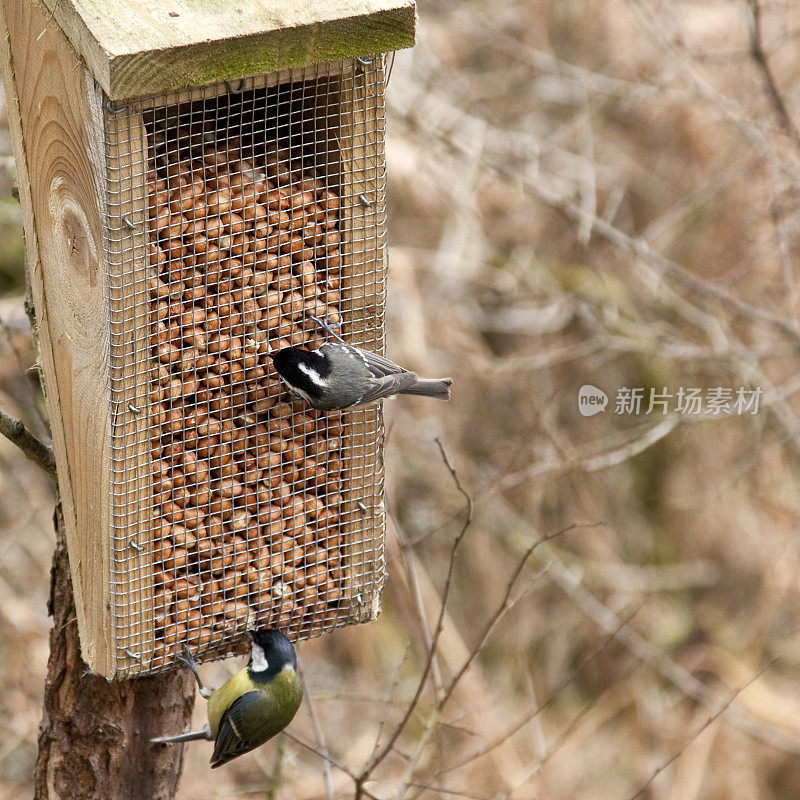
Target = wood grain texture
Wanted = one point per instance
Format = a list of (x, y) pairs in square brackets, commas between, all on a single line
[(129, 302), (138, 47), (56, 124), (94, 738), (363, 297)]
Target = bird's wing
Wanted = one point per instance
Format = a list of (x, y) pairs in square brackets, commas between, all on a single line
[(379, 366), (231, 740), (388, 385)]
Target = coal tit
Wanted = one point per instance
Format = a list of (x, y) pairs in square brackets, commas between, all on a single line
[(339, 375), (258, 702)]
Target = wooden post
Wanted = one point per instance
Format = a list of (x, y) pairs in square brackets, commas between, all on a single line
[(60, 162), (94, 736)]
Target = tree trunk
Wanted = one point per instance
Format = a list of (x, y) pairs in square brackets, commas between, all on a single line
[(94, 739)]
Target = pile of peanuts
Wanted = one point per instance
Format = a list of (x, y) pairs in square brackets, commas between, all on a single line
[(244, 247)]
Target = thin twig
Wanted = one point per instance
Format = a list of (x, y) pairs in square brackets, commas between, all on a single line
[(520, 724), (715, 716), (457, 482), (276, 774), (37, 451), (759, 55), (621, 676), (410, 569), (332, 761), (25, 372), (387, 748), (505, 605), (321, 743), (643, 649), (506, 602), (390, 701), (429, 787)]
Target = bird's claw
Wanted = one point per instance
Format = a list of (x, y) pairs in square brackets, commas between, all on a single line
[(329, 327), (188, 660)]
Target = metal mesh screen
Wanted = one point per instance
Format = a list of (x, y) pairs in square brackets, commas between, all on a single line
[(236, 214)]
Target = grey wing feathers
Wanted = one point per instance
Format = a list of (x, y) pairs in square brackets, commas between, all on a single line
[(389, 385), (391, 378), (379, 366), (230, 742), (394, 379)]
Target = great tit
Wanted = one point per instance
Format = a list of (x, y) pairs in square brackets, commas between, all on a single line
[(339, 375), (258, 702)]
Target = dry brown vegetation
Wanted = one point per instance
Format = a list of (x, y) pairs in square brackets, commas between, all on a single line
[(600, 193)]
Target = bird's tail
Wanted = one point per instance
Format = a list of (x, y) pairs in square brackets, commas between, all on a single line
[(430, 387), (191, 736)]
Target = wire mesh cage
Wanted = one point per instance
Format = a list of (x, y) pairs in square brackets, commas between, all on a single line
[(241, 217)]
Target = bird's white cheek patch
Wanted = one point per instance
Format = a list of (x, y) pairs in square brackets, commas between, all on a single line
[(312, 374), (259, 660)]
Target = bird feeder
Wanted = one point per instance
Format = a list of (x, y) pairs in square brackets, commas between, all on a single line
[(201, 182)]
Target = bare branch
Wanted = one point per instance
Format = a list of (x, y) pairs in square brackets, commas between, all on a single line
[(759, 55), (321, 743), (442, 790), (520, 724), (591, 460), (387, 748), (15, 431), (457, 482), (647, 652), (506, 602), (506, 163), (330, 760), (494, 620), (715, 716), (275, 775), (411, 574)]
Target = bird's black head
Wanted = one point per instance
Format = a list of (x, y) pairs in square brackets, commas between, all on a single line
[(304, 370), (271, 652)]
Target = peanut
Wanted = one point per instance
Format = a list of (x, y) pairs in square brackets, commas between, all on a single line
[(247, 483)]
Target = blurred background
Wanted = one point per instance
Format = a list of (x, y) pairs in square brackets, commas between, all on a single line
[(601, 194)]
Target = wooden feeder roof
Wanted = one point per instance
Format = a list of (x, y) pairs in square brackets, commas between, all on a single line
[(141, 47)]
